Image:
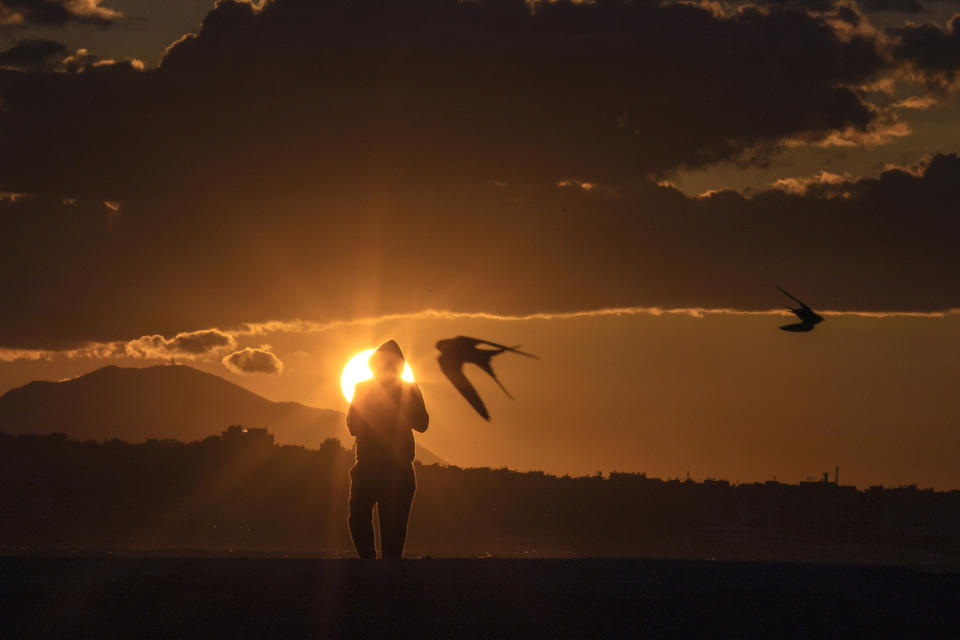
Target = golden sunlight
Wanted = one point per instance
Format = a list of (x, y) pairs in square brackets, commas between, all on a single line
[(357, 370)]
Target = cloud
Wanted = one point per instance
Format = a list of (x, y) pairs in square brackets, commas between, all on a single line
[(892, 6), (930, 51), (12, 355), (115, 351), (823, 6), (916, 169), (174, 265), (198, 342), (586, 186), (885, 127), (605, 92), (187, 345), (20, 13), (48, 55), (308, 326), (343, 160), (915, 102), (250, 360), (31, 54), (826, 181), (190, 345)]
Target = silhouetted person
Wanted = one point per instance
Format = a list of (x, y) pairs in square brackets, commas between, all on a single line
[(808, 317), (455, 352), (382, 415)]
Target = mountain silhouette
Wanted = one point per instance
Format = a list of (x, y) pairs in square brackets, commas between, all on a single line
[(135, 404)]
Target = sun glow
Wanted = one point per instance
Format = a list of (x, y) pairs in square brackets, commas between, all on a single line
[(358, 370)]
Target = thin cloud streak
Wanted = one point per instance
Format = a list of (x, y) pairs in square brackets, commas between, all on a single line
[(308, 326), (133, 349), (12, 355)]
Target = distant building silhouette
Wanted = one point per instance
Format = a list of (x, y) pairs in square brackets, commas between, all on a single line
[(239, 434)]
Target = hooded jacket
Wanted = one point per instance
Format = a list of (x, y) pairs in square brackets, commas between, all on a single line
[(383, 415)]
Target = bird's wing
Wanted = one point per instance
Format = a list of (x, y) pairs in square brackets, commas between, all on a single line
[(799, 327), (453, 369), (514, 349), (794, 298), (486, 366)]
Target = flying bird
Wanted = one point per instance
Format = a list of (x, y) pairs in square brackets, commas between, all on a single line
[(455, 352), (808, 317)]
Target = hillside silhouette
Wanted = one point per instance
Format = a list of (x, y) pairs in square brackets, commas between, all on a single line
[(179, 402), (240, 493)]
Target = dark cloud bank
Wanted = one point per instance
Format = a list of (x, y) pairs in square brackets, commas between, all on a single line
[(867, 6), (932, 52), (31, 53), (328, 159), (21, 13), (308, 91)]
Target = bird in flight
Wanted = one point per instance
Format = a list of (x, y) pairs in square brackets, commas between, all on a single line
[(808, 317), (455, 352)]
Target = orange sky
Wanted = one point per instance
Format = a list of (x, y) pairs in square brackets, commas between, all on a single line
[(175, 174), (724, 396)]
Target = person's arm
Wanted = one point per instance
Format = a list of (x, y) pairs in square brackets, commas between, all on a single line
[(352, 421), (416, 409)]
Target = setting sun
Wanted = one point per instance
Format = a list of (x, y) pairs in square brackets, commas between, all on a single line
[(357, 370)]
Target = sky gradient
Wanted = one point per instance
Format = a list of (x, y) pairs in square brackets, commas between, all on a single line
[(265, 189)]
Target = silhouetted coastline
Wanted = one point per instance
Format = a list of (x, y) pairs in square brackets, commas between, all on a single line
[(243, 494)]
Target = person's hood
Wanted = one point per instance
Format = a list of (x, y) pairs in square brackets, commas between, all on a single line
[(390, 347), (388, 354)]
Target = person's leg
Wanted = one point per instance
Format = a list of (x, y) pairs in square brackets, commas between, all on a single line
[(395, 512), (359, 520)]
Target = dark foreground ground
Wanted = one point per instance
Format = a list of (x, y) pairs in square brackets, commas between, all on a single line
[(287, 598)]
